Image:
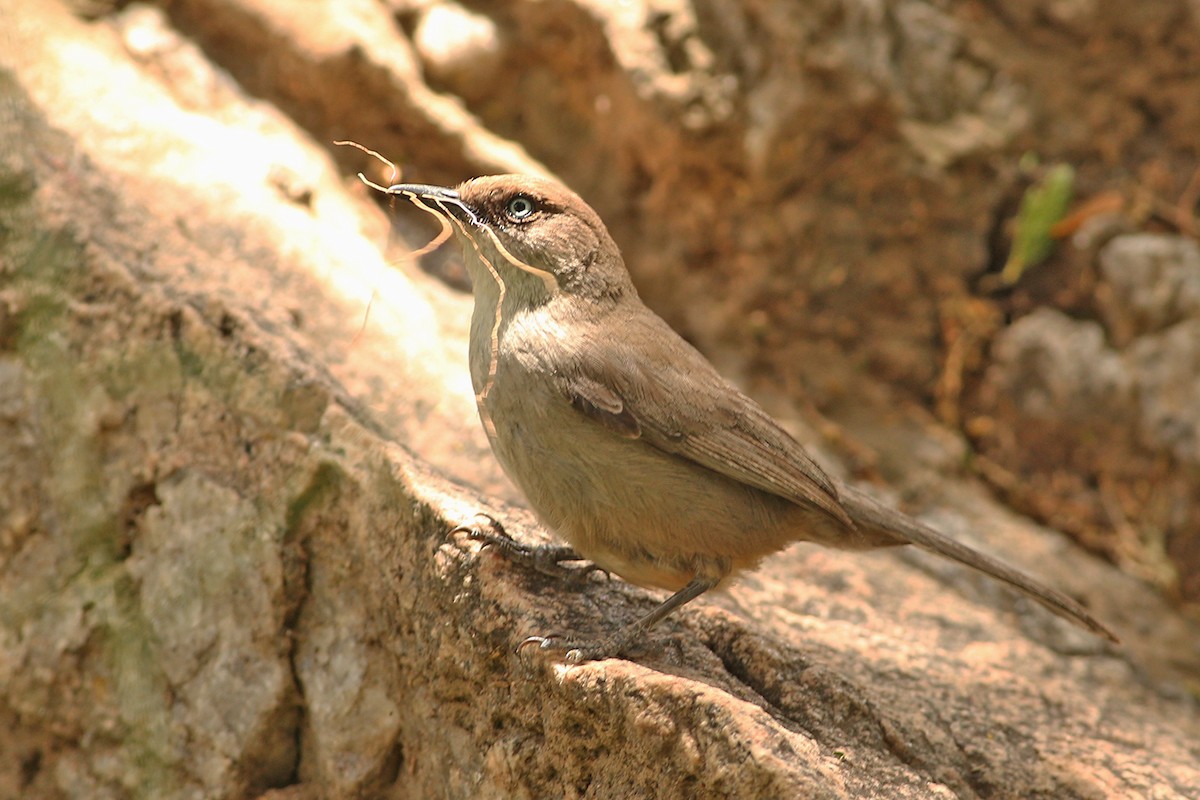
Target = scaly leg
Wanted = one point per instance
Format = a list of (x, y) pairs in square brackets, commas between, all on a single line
[(577, 651)]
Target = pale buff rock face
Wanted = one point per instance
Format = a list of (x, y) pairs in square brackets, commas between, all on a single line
[(225, 485)]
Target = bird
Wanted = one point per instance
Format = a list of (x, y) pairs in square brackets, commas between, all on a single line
[(624, 439)]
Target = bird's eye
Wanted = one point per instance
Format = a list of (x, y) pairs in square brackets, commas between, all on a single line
[(519, 208)]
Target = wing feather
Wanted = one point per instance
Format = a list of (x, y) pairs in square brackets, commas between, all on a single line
[(674, 400)]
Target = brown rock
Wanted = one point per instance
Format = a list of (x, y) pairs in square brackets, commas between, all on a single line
[(224, 569)]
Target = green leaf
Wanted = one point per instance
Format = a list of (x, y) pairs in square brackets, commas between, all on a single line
[(1044, 204)]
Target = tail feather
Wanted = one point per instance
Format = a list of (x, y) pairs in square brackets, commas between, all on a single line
[(877, 518)]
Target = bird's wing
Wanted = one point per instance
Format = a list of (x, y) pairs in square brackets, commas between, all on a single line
[(673, 399)]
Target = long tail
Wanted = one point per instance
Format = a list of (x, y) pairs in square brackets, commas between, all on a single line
[(877, 518)]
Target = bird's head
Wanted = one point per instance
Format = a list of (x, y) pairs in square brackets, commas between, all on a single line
[(524, 228)]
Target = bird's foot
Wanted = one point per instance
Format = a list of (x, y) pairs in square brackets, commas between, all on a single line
[(545, 558), (581, 651), (620, 642)]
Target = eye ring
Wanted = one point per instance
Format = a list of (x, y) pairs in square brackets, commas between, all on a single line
[(520, 207)]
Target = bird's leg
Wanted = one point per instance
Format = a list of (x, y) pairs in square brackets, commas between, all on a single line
[(577, 651), (545, 558)]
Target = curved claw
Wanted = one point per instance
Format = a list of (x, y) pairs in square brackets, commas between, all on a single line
[(572, 652), (575, 656), (543, 642), (474, 532), (590, 568)]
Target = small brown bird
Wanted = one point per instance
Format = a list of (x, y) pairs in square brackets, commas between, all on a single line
[(622, 436)]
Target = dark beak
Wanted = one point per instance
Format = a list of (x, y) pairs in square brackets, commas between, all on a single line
[(435, 199), (421, 190)]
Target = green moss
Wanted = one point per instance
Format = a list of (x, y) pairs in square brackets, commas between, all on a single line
[(141, 690), (16, 187), (324, 483)]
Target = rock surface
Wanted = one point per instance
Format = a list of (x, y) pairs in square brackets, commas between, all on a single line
[(225, 486)]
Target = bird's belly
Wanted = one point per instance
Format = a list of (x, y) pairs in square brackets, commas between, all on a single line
[(653, 518)]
